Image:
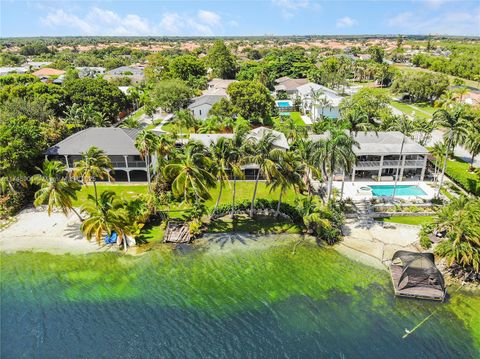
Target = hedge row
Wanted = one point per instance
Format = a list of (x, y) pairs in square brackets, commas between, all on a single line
[(458, 172), (262, 204)]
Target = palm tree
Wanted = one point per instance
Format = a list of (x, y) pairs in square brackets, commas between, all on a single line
[(305, 150), (146, 143), (358, 121), (438, 151), (210, 125), (220, 152), (460, 220), (335, 151), (289, 174), (263, 154), (423, 128), (191, 177), (185, 120), (461, 91), (405, 126), (55, 190), (95, 164), (472, 144), (446, 100), (457, 126), (10, 180), (234, 160), (105, 217)]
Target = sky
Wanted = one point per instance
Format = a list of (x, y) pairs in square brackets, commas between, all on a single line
[(238, 17)]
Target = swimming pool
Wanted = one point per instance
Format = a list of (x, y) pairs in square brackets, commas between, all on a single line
[(284, 103), (402, 190)]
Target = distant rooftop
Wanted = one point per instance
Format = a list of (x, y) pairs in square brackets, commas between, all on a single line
[(47, 71), (257, 134), (286, 83), (112, 140), (205, 99)]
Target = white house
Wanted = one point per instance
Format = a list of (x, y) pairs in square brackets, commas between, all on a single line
[(378, 157), (317, 100), (201, 105)]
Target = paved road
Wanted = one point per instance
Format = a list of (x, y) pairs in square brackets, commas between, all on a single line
[(461, 152)]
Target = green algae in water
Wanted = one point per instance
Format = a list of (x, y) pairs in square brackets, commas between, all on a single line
[(314, 293)]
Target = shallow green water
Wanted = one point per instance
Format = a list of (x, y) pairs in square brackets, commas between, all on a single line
[(234, 297)]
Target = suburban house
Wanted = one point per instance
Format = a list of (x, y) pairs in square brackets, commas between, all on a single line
[(218, 87), (46, 73), (117, 143), (135, 74), (319, 100), (7, 70), (201, 105), (250, 170), (378, 157), (289, 85)]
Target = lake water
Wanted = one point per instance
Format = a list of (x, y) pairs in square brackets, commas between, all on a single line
[(236, 297)]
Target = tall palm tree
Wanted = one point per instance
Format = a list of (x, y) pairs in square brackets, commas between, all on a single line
[(95, 164), (446, 100), (404, 125), (55, 190), (438, 151), (454, 121), (335, 151), (288, 175), (262, 153), (305, 150), (220, 152), (472, 144), (235, 157), (461, 91), (358, 121), (191, 176), (185, 120), (147, 143), (106, 216)]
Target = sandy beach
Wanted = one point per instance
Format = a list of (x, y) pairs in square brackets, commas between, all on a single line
[(34, 230)]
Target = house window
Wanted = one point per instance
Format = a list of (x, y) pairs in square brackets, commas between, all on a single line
[(200, 112)]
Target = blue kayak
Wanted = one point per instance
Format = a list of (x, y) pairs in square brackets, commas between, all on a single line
[(111, 239)]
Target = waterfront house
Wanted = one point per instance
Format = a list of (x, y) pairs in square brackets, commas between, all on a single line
[(117, 143), (378, 157), (250, 170)]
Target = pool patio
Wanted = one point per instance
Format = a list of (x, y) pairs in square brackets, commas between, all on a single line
[(353, 190)]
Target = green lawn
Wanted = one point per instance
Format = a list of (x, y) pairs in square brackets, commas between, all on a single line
[(138, 113), (457, 170), (414, 220), (295, 116), (244, 192), (260, 224), (408, 109), (123, 190)]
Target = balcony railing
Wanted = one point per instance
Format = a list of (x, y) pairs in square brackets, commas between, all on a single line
[(389, 163), (131, 164)]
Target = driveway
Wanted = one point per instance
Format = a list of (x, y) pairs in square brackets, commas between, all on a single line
[(437, 136)]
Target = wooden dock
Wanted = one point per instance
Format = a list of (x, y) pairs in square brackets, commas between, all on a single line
[(421, 290), (177, 233)]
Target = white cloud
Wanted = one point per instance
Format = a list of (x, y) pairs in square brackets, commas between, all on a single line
[(209, 17), (289, 8), (205, 23), (98, 21), (346, 21), (461, 23)]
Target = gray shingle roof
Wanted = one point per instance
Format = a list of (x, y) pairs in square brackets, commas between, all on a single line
[(112, 140), (205, 99), (381, 143), (257, 133)]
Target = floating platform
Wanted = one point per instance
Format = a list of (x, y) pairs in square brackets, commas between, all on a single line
[(177, 233), (414, 275), (417, 291)]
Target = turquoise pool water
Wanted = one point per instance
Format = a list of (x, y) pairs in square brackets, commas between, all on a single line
[(402, 190), (284, 103)]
